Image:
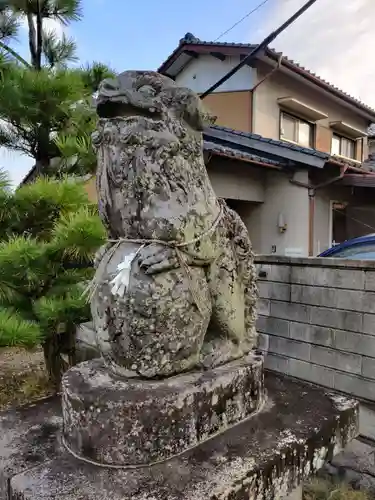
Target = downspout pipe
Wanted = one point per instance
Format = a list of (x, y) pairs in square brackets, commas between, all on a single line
[(312, 191)]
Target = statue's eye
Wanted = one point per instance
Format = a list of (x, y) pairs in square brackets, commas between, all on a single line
[(147, 90)]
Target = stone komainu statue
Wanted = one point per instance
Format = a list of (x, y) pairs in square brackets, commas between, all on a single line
[(175, 287)]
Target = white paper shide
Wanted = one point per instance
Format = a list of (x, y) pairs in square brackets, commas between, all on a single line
[(121, 281)]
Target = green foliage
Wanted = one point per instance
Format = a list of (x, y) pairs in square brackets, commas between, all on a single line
[(46, 108), (17, 331), (63, 10), (44, 45), (57, 49), (77, 235), (32, 101), (34, 208), (49, 235)]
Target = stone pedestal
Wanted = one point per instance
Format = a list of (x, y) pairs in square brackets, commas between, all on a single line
[(117, 421), (266, 456)]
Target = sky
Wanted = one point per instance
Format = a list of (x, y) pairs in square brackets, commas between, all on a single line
[(333, 41)]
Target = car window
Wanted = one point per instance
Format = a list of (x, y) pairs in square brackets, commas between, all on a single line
[(361, 252), (362, 256)]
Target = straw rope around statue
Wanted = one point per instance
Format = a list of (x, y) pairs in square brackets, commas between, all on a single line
[(121, 280)]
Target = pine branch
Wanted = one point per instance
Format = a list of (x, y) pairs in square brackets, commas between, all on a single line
[(9, 24), (77, 236), (93, 74), (13, 53), (55, 313), (65, 11), (5, 182), (22, 263), (17, 331), (58, 51)]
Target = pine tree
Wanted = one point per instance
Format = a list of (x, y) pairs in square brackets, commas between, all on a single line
[(49, 234), (46, 109)]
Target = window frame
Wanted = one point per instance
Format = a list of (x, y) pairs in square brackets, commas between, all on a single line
[(341, 137), (297, 119)]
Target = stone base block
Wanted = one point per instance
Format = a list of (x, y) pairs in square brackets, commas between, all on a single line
[(265, 457), (117, 421)]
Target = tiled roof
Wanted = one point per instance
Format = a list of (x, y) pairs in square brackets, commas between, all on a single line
[(190, 39), (283, 144), (344, 161), (367, 167), (359, 180), (232, 152)]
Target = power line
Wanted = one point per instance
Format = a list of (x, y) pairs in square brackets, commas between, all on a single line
[(353, 219), (242, 19), (259, 47)]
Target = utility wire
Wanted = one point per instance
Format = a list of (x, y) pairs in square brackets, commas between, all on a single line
[(242, 19), (353, 219), (259, 47)]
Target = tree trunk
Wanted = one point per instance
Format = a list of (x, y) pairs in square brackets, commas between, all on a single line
[(32, 39), (55, 364), (54, 347), (39, 37)]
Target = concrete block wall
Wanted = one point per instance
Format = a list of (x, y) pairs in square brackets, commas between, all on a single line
[(317, 321)]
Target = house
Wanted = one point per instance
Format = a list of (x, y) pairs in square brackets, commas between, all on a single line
[(289, 151), (288, 148)]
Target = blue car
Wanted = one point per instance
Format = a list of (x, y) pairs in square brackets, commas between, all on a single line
[(362, 248)]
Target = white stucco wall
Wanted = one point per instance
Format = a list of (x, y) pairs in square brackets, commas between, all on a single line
[(203, 72), (282, 197)]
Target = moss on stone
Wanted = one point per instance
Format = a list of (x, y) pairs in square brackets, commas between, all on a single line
[(328, 490)]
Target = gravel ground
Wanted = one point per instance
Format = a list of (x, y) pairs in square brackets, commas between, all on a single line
[(22, 377), (16, 360)]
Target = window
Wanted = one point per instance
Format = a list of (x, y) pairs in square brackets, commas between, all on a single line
[(343, 147), (296, 130)]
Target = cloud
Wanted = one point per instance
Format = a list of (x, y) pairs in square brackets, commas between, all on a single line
[(335, 39)]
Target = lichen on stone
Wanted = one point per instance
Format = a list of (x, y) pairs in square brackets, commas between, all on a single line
[(190, 296)]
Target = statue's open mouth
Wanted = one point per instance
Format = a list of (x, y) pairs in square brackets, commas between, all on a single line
[(109, 109)]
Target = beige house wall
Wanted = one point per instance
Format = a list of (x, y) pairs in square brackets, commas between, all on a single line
[(237, 180), (266, 110), (232, 109)]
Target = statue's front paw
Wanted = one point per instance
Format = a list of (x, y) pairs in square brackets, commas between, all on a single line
[(156, 258)]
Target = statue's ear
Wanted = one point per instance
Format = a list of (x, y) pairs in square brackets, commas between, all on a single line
[(196, 114)]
